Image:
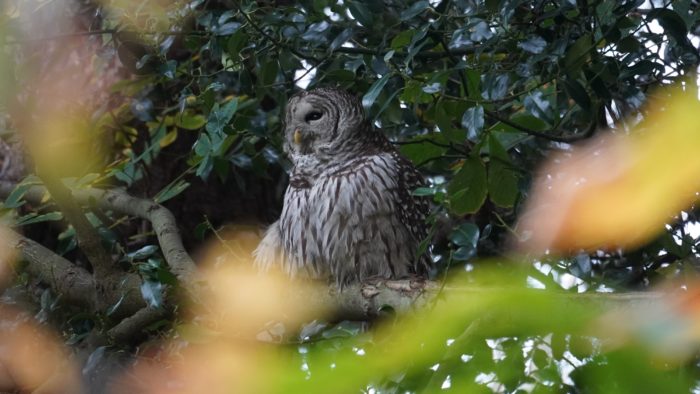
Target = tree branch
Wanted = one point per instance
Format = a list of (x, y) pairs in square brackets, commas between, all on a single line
[(370, 300), (162, 220), (73, 283), (87, 237), (132, 327)]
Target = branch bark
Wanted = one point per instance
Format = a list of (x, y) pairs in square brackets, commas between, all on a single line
[(370, 300), (87, 237), (162, 220), (131, 327), (73, 283)]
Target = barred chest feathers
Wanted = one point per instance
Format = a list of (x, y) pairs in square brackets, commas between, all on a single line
[(344, 224), (349, 213)]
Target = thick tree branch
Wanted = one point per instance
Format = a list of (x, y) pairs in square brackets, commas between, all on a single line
[(130, 328), (162, 220), (73, 283), (367, 301), (87, 237)]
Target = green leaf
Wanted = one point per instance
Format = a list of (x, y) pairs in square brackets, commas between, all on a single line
[(473, 121), (268, 74), (466, 237), (205, 167), (534, 44), (152, 293), (341, 39), (203, 145), (420, 152), (14, 200), (424, 191), (576, 54), (578, 93), (502, 179), (237, 42), (529, 121), (467, 234), (374, 91), (171, 191), (467, 191), (360, 12), (142, 253), (33, 218), (190, 121), (414, 10), (495, 86), (672, 23), (220, 116), (402, 39)]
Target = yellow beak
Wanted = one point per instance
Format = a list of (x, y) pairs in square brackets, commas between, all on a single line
[(297, 136)]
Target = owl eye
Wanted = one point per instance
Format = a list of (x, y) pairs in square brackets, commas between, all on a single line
[(313, 115)]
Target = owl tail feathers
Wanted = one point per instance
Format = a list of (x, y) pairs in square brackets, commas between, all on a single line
[(269, 254)]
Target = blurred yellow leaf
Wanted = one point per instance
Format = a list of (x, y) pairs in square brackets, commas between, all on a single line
[(619, 191)]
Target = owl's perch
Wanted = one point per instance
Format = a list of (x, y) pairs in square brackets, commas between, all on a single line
[(368, 301), (357, 301)]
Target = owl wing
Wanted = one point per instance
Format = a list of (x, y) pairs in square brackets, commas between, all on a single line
[(371, 216), (413, 209), (269, 251)]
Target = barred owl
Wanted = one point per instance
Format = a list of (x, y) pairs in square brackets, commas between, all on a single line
[(349, 213)]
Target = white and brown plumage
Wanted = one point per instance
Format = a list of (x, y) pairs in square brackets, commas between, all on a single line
[(349, 213)]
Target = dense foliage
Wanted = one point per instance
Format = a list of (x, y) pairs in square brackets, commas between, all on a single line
[(475, 93)]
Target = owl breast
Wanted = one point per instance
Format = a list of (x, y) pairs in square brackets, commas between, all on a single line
[(346, 224)]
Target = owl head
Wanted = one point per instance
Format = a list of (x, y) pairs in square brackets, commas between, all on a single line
[(323, 123)]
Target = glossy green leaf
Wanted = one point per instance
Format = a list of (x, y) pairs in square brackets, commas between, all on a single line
[(143, 252), (502, 176), (33, 218), (361, 12), (415, 9), (578, 93), (577, 54), (171, 191), (152, 293), (219, 117), (473, 121), (190, 121), (672, 23), (371, 96), (468, 189)]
